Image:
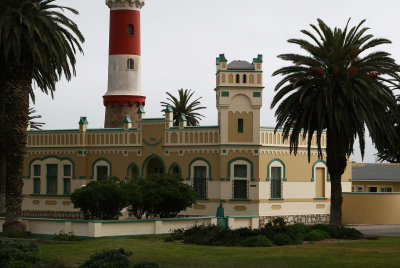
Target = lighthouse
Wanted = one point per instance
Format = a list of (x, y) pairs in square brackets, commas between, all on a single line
[(124, 91)]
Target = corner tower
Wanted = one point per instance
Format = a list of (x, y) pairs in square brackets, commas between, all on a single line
[(239, 100), (124, 91)]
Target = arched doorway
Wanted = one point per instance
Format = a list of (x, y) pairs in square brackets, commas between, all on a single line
[(154, 166)]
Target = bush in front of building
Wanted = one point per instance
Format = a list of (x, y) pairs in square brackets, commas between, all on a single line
[(281, 239), (113, 258), (103, 199), (257, 241), (316, 235), (349, 233), (158, 195), (18, 253)]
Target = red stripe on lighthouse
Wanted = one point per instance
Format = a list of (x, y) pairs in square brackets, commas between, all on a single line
[(120, 41)]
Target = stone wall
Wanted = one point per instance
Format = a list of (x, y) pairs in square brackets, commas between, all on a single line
[(49, 214), (291, 219)]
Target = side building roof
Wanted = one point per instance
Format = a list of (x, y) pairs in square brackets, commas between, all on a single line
[(376, 172)]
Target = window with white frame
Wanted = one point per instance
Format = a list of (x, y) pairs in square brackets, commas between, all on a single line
[(67, 179), (241, 175), (199, 171), (276, 174), (52, 176), (101, 169)]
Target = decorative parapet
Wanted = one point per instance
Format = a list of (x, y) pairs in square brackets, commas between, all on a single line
[(125, 3)]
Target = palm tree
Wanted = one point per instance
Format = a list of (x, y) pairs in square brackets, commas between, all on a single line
[(33, 125), (391, 152), (32, 116), (38, 44), (183, 105), (338, 88)]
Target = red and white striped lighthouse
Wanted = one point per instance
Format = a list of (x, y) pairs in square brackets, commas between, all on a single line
[(124, 92)]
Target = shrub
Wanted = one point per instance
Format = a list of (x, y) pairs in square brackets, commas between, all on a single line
[(279, 224), (165, 195), (65, 237), (296, 231), (178, 234), (102, 199), (331, 230), (146, 264), (114, 258), (281, 239), (257, 241), (349, 233), (268, 230), (14, 252), (213, 235), (316, 235)]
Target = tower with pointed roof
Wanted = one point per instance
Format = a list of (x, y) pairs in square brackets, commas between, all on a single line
[(239, 100)]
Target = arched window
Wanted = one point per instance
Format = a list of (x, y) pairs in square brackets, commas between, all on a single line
[(237, 78), (244, 79), (200, 171), (130, 29), (130, 64), (241, 171), (276, 173)]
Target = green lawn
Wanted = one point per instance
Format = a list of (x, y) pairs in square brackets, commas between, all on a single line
[(384, 252)]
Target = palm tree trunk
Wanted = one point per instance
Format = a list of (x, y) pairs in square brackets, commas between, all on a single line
[(2, 146), (18, 82), (336, 162), (2, 185)]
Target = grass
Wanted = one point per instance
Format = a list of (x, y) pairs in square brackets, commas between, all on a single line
[(384, 252)]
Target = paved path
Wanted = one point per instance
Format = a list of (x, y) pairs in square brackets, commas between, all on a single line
[(381, 230)]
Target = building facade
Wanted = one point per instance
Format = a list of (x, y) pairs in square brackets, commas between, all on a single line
[(238, 162)]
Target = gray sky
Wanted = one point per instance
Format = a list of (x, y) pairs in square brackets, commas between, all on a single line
[(181, 39)]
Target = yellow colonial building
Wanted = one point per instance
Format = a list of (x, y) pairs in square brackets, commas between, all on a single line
[(238, 162)]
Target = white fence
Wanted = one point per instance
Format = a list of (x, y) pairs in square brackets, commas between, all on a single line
[(114, 228)]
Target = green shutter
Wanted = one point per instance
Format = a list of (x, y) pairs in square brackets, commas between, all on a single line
[(36, 170), (240, 189), (36, 185), (52, 171), (67, 186), (200, 181), (240, 125), (240, 171), (67, 170), (276, 182)]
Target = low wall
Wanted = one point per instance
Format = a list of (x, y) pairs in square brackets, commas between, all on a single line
[(112, 228), (371, 208), (292, 219)]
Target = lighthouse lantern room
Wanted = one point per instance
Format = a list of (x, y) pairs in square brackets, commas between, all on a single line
[(124, 92)]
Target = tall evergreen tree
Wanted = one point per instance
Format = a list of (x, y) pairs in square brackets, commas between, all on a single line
[(340, 87), (183, 105), (38, 44)]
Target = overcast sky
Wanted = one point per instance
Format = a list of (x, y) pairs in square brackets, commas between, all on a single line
[(181, 39)]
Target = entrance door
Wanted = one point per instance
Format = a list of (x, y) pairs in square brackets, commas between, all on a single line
[(154, 167)]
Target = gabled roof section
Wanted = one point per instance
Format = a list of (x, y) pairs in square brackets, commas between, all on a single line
[(240, 65), (376, 172)]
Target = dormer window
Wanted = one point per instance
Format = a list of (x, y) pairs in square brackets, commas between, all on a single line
[(130, 30), (130, 64)]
